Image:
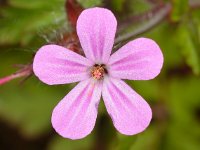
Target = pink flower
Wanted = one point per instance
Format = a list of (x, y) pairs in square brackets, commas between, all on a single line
[(99, 74)]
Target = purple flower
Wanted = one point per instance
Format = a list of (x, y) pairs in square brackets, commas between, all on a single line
[(99, 74)]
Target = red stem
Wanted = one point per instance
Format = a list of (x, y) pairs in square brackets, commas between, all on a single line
[(24, 72)]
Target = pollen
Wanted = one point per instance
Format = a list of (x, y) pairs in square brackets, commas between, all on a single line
[(98, 72)]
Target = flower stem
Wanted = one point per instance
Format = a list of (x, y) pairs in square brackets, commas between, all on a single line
[(23, 72), (154, 18)]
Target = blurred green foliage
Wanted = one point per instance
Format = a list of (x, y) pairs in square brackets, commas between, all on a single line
[(180, 7), (21, 21), (174, 95)]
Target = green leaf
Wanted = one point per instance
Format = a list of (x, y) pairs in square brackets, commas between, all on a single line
[(21, 21), (196, 25), (117, 5), (149, 138), (183, 102), (123, 142), (188, 48), (147, 89), (59, 143), (180, 7), (138, 6), (90, 3)]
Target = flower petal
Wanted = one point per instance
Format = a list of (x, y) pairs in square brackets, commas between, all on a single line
[(130, 113), (140, 59), (74, 117), (96, 28), (54, 64)]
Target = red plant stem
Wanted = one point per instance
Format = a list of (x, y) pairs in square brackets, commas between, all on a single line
[(73, 10), (153, 21), (140, 17), (194, 4), (24, 72), (152, 18)]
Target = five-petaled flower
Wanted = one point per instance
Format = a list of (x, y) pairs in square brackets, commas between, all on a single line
[(99, 74)]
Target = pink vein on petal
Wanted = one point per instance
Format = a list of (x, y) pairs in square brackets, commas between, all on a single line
[(54, 64), (130, 112), (140, 53), (96, 28), (74, 117)]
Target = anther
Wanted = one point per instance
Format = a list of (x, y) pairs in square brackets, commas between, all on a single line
[(98, 71)]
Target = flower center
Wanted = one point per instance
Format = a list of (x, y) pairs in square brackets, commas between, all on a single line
[(98, 71)]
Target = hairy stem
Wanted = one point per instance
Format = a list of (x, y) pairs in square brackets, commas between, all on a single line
[(26, 71), (154, 18)]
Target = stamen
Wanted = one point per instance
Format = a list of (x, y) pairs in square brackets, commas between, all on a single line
[(98, 71)]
